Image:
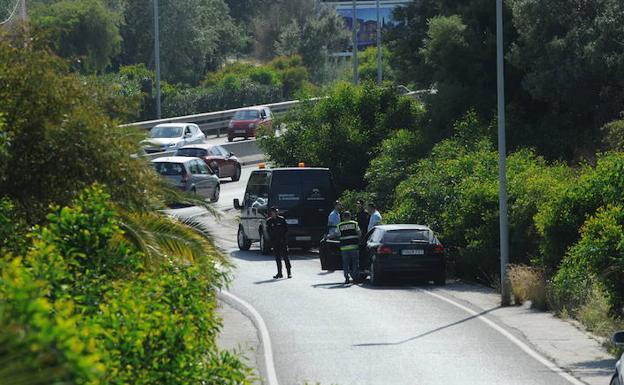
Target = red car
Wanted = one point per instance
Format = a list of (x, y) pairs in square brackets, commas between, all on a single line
[(222, 162), (246, 121)]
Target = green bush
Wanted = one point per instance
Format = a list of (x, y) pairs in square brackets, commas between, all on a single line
[(559, 221), (597, 258), (613, 135), (344, 130)]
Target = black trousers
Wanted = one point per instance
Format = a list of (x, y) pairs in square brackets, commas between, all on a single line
[(281, 252)]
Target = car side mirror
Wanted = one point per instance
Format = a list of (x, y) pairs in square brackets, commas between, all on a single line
[(237, 204), (231, 154), (618, 338)]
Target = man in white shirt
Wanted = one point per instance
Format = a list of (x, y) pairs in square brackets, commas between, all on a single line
[(334, 219), (375, 216)]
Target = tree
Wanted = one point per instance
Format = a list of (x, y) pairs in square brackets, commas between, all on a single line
[(195, 36), (87, 32), (367, 64)]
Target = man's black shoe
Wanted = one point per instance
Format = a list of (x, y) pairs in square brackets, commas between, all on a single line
[(289, 275), (346, 281), (276, 276)]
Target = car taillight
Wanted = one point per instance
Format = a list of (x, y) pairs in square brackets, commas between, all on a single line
[(438, 249), (384, 250)]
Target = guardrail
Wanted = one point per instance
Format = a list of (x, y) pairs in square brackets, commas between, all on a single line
[(215, 122)]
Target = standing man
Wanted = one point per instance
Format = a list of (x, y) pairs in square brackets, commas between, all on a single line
[(349, 233), (375, 216), (362, 217), (334, 219), (278, 235)]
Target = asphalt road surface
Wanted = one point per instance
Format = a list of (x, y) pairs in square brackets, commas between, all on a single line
[(323, 331)]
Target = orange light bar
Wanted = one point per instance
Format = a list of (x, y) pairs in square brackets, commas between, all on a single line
[(262, 166), (301, 164)]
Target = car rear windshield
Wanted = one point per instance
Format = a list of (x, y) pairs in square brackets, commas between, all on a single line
[(246, 115), (407, 236), (166, 132), (193, 152), (167, 168), (309, 188)]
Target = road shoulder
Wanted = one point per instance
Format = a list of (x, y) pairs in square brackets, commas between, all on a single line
[(574, 350)]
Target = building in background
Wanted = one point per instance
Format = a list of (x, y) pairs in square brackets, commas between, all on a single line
[(366, 13)]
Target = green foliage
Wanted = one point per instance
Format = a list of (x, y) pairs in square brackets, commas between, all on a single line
[(367, 64), (613, 136), (85, 31), (344, 130), (455, 191), (596, 259), (60, 138), (560, 219)]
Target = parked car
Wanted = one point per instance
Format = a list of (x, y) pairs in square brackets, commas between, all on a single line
[(303, 195), (221, 161), (246, 122), (189, 174), (618, 376), (389, 251), (171, 136)]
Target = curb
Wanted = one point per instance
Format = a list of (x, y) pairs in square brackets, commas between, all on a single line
[(263, 332)]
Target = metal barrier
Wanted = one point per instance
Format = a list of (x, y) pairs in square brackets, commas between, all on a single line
[(212, 123)]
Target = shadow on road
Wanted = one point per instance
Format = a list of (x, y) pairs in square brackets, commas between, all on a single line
[(332, 285), (428, 332), (267, 281), (599, 368), (256, 256)]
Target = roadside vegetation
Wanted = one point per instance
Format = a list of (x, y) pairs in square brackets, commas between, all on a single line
[(439, 167), (96, 285)]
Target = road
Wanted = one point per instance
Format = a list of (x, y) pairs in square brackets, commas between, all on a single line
[(323, 331)]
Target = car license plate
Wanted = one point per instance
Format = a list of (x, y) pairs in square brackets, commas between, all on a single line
[(292, 221), (240, 131), (303, 238), (413, 252)]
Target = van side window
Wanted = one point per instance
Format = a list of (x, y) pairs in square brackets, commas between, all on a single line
[(257, 193)]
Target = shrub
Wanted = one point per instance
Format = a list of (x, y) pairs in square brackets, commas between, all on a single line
[(596, 259), (613, 135), (529, 284)]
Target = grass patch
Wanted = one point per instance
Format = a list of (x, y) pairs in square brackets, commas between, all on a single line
[(529, 284)]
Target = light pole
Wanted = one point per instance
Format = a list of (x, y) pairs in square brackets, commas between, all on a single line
[(502, 155), (379, 64), (157, 57), (355, 39)]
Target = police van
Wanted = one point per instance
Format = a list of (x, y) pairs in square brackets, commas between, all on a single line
[(303, 195)]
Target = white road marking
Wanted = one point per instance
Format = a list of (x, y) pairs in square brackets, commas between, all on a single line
[(265, 338), (526, 348)]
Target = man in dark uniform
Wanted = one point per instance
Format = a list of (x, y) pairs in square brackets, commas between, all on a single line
[(349, 234), (278, 235), (362, 217)]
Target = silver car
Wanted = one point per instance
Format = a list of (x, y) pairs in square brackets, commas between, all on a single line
[(189, 174), (171, 136)]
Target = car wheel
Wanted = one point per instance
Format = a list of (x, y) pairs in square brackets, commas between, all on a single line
[(440, 278), (215, 195), (243, 242), (237, 174), (265, 248), (230, 139), (375, 274)]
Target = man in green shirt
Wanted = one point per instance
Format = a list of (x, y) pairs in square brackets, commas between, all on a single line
[(349, 234)]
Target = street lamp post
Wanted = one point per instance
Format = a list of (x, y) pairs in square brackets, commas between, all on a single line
[(157, 57), (502, 155), (379, 64), (355, 39)]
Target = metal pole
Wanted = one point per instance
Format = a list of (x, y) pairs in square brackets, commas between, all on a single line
[(355, 39), (23, 12), (502, 155), (157, 57), (379, 63)]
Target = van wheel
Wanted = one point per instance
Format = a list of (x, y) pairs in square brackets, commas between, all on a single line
[(243, 242), (265, 247)]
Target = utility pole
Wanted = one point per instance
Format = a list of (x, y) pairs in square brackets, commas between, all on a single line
[(355, 40), (502, 158), (157, 57), (23, 12), (379, 63)]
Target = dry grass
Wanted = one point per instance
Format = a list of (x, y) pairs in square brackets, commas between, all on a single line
[(529, 284)]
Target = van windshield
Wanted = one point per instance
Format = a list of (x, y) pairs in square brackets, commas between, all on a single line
[(309, 188)]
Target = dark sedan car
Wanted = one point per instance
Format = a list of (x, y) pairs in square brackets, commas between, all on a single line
[(393, 250), (222, 162)]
